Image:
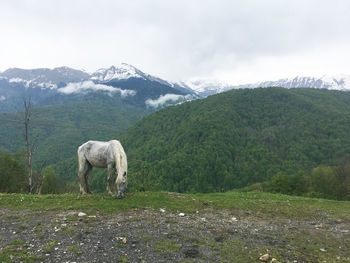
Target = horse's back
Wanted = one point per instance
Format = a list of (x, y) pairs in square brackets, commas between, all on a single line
[(96, 153), (101, 150)]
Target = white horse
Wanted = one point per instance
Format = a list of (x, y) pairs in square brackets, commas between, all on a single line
[(103, 154)]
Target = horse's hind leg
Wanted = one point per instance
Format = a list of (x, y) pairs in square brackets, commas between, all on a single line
[(109, 176), (83, 167), (86, 177)]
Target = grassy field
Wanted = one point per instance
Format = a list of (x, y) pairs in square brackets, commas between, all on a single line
[(218, 227), (263, 203)]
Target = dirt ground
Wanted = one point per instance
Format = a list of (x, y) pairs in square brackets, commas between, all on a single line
[(146, 235)]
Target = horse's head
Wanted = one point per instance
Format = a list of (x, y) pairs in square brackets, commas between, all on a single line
[(122, 186)]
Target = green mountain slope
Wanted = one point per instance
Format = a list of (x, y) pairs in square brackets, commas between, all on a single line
[(239, 137), (59, 129)]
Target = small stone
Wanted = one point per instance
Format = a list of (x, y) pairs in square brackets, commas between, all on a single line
[(234, 219), (80, 214), (162, 210), (264, 258), (181, 214), (124, 240), (323, 249), (273, 260)]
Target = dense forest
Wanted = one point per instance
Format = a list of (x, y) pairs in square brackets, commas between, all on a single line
[(271, 139), (238, 138), (57, 130)]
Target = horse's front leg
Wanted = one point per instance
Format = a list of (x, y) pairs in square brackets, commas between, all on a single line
[(115, 179), (87, 179), (81, 182), (109, 176)]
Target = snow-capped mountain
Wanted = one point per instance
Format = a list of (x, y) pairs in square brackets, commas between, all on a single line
[(339, 82), (48, 86), (204, 88), (123, 72), (44, 77)]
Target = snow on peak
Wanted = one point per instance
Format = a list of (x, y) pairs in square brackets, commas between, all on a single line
[(205, 87), (332, 82), (122, 72), (338, 82)]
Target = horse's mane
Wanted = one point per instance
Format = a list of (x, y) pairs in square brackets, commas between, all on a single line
[(120, 160)]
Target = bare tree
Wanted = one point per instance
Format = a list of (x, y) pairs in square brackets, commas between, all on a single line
[(29, 146)]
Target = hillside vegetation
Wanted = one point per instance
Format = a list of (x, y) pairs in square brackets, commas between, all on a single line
[(296, 141), (58, 130), (237, 138)]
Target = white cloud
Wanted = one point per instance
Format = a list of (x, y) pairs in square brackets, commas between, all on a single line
[(16, 80), (163, 99), (86, 86), (2, 98)]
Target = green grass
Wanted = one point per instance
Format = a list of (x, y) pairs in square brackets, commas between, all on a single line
[(261, 203), (74, 249), (49, 246), (122, 259), (17, 251), (167, 246)]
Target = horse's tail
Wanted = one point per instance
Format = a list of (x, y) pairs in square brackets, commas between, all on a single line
[(121, 164)]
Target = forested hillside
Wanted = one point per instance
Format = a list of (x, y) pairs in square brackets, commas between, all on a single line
[(237, 138), (225, 141), (56, 131)]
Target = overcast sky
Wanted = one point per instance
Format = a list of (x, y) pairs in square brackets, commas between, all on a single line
[(237, 41)]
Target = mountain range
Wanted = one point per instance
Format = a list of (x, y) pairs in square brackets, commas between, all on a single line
[(52, 86), (204, 88), (255, 132)]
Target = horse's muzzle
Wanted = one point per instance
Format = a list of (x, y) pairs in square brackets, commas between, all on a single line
[(120, 195)]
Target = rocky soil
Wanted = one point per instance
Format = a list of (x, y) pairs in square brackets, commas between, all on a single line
[(147, 235)]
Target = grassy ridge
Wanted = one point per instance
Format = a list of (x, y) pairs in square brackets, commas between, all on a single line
[(265, 203)]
